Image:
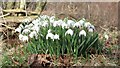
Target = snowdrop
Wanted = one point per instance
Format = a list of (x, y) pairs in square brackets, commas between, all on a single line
[(90, 30), (25, 31), (20, 36), (106, 36), (35, 21), (70, 23), (49, 31), (23, 38), (33, 34), (87, 24), (82, 32), (44, 16), (52, 19), (35, 28), (45, 24), (50, 35), (56, 36), (77, 24), (82, 21), (64, 25), (21, 26), (57, 23), (18, 30), (28, 26), (69, 31)]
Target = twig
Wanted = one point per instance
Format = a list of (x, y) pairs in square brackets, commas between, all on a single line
[(8, 27), (103, 28)]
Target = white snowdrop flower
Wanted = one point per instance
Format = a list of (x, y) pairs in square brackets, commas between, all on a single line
[(44, 16), (35, 28), (90, 30), (57, 23), (106, 36), (18, 30), (26, 26), (64, 25), (33, 34), (56, 36), (77, 24), (70, 23), (49, 31), (45, 24), (25, 31), (30, 25), (52, 19), (81, 22), (87, 24), (91, 27), (25, 38), (69, 31), (50, 35), (20, 36), (21, 26), (35, 21), (82, 32)]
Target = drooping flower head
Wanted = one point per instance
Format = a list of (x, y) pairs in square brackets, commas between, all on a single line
[(56, 36), (50, 35), (23, 38), (33, 34), (82, 32), (70, 23), (69, 31)]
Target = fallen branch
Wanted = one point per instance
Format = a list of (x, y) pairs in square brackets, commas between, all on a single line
[(5, 15)]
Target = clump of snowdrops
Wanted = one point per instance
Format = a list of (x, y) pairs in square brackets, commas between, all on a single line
[(50, 35)]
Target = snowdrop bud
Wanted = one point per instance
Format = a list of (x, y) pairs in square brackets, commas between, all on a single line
[(56, 36), (82, 32), (49, 31), (106, 36), (69, 31)]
